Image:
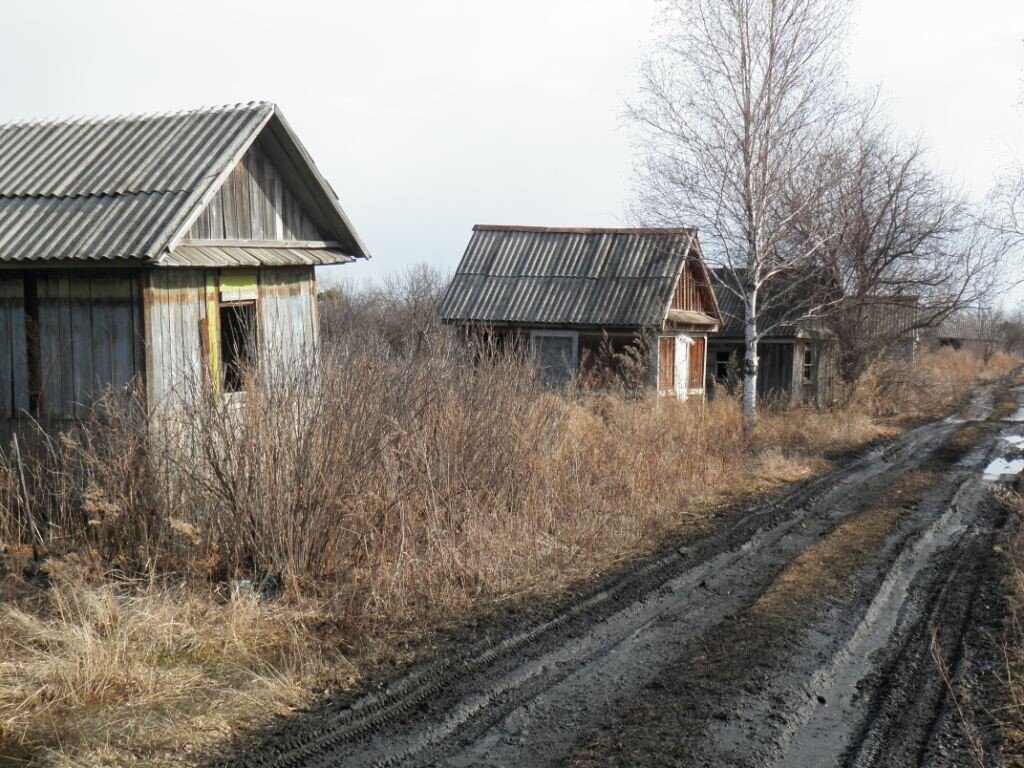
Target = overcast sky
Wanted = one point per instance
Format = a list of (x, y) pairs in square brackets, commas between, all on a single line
[(430, 117)]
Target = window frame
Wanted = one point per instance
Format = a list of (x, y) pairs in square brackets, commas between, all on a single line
[(537, 334), (254, 342), (809, 366)]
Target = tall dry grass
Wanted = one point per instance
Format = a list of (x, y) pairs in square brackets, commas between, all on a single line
[(395, 482)]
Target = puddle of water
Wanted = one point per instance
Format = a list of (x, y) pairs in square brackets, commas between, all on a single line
[(1000, 468)]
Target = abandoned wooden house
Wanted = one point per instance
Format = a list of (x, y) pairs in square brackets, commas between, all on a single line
[(157, 249), (963, 330), (797, 359), (583, 300)]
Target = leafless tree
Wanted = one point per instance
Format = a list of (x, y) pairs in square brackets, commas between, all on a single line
[(900, 245), (736, 97)]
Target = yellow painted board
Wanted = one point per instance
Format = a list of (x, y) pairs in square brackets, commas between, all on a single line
[(239, 284), (213, 330)]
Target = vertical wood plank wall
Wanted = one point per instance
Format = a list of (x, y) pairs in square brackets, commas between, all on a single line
[(666, 364), (687, 295), (177, 312), (288, 320), (175, 309), (13, 355), (696, 378), (254, 203), (89, 339)]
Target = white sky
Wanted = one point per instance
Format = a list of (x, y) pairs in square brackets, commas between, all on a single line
[(430, 117)]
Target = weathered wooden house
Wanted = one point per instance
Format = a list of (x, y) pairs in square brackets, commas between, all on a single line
[(569, 292), (797, 358), (157, 249), (964, 330)]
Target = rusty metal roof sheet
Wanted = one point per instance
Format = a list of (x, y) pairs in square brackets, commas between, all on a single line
[(587, 277), (250, 256), (123, 187)]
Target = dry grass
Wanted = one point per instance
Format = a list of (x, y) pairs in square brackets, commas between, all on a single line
[(1010, 715), (401, 482), (115, 674)]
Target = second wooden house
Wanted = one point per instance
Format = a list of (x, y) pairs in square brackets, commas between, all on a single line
[(581, 299)]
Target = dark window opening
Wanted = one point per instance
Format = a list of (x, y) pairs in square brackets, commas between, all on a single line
[(237, 343), (723, 365), (808, 377)]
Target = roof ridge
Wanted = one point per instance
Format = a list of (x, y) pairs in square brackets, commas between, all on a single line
[(585, 230), (135, 116)]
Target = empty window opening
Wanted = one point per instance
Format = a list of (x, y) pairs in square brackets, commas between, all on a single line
[(555, 356), (808, 366), (237, 343)]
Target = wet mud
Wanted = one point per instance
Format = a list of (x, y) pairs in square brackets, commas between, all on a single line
[(832, 626)]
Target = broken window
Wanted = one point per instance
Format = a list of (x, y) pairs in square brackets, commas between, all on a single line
[(555, 355), (237, 343), (808, 377), (725, 362)]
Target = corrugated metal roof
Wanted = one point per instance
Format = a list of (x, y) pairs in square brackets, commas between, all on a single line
[(733, 313), (964, 327), (122, 187), (123, 155), (885, 318), (545, 276), (246, 256)]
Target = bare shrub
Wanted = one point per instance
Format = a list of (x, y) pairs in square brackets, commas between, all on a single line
[(396, 480)]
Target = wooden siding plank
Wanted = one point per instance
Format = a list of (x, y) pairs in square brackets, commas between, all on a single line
[(697, 351), (19, 355), (49, 346), (666, 364), (6, 361), (83, 348), (255, 203)]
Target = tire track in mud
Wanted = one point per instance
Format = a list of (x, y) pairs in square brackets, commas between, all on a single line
[(646, 638)]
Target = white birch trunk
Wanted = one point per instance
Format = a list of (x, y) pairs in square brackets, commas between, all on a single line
[(750, 361)]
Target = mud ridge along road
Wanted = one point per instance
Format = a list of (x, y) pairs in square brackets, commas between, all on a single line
[(803, 633)]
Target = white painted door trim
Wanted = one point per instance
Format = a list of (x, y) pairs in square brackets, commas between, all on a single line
[(682, 365)]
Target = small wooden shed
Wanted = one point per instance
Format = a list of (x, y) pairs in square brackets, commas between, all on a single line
[(566, 292), (797, 358), (158, 249)]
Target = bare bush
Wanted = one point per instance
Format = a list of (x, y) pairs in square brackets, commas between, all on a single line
[(397, 480)]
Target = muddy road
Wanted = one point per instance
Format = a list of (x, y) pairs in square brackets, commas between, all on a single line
[(813, 630)]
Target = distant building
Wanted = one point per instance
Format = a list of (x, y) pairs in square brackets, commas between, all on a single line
[(963, 331), (568, 293), (156, 249), (797, 358)]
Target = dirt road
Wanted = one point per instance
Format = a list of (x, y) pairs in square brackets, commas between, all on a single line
[(799, 635)]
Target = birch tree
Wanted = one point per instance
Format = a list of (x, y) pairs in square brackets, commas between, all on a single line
[(737, 96)]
